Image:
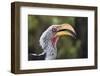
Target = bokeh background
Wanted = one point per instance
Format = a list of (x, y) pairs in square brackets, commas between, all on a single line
[(67, 47)]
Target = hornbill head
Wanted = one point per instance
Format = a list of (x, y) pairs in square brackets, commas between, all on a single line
[(50, 37)]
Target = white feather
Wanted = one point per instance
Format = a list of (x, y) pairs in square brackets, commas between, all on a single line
[(46, 44)]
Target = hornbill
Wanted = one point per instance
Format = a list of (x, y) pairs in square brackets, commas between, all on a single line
[(49, 39)]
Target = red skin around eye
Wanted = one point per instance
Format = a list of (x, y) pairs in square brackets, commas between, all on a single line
[(54, 29)]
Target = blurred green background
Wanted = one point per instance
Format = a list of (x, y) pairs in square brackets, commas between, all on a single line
[(67, 47)]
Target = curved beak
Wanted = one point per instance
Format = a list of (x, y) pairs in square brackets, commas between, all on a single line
[(65, 29)]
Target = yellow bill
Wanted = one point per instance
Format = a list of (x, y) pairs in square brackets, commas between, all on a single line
[(65, 29)]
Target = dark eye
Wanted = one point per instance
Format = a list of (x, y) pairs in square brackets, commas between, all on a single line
[(54, 30)]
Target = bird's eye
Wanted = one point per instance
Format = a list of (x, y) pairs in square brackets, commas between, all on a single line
[(54, 30)]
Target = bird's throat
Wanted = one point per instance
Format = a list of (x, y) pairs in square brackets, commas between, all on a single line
[(54, 40)]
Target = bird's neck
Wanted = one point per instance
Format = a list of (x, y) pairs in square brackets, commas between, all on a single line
[(51, 49), (54, 41), (51, 53)]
